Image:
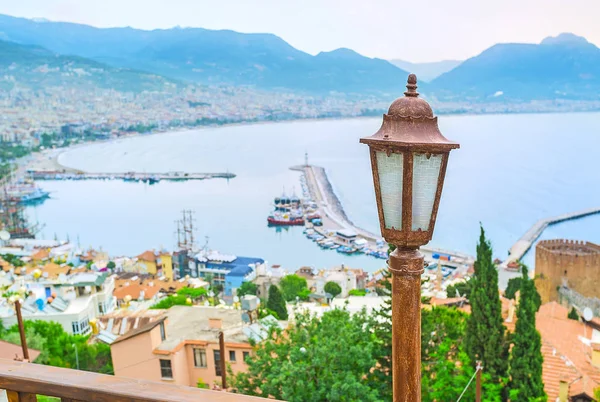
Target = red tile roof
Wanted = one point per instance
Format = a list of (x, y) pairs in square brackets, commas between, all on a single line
[(147, 256), (134, 290), (566, 347)]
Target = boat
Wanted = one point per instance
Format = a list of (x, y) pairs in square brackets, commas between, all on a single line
[(287, 212), (36, 195), (26, 193), (284, 220)]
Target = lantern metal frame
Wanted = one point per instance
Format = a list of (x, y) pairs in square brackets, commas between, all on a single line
[(415, 133)]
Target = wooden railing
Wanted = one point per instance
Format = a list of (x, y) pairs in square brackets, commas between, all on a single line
[(24, 381)]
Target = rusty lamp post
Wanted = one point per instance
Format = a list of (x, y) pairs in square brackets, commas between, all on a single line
[(409, 156)]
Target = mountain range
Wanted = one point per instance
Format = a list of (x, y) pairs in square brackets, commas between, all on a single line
[(34, 67), (426, 71), (207, 56), (563, 67)]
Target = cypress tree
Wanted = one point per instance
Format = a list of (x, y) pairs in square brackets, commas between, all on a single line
[(526, 354), (276, 303), (573, 315), (486, 333)]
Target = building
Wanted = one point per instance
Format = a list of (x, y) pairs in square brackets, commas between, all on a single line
[(346, 278), (227, 270), (136, 292), (345, 237), (120, 322), (571, 368), (183, 347), (570, 263), (267, 276), (71, 300)]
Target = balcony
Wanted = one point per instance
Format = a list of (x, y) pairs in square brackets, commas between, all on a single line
[(23, 381)]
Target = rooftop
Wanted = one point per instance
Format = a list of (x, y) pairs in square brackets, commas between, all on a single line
[(567, 352), (187, 323)]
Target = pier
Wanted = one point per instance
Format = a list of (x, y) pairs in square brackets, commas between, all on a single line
[(520, 248), (129, 176), (334, 217)]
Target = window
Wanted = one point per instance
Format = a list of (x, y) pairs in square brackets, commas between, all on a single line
[(101, 308), (81, 327), (200, 358), (246, 355), (163, 335), (217, 356), (232, 355), (165, 369)]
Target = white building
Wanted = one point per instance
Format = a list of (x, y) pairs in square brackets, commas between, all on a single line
[(346, 278), (71, 300)]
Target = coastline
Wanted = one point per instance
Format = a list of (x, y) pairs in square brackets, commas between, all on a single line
[(62, 150)]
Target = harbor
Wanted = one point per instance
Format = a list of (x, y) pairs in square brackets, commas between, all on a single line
[(328, 224), (522, 246)]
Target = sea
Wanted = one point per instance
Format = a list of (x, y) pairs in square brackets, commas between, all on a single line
[(510, 171)]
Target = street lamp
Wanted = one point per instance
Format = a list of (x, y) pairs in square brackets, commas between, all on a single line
[(409, 156)]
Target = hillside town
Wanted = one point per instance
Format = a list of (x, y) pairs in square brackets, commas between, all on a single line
[(169, 300)]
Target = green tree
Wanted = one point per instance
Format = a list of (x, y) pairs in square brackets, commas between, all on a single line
[(486, 333), (56, 347), (304, 363), (513, 286), (573, 314), (111, 265), (526, 354), (276, 303), (446, 367), (333, 288), (247, 288), (291, 286), (460, 287), (380, 377)]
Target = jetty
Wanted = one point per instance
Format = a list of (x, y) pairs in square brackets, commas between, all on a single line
[(129, 176), (520, 248), (334, 217)]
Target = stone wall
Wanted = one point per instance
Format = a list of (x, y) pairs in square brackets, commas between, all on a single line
[(572, 263)]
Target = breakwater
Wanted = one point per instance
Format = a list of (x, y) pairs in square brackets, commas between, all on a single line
[(520, 248), (335, 218)]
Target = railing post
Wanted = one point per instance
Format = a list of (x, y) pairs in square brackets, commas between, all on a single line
[(14, 396)]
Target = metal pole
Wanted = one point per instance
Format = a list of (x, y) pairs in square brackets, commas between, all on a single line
[(478, 383), (21, 330), (222, 352), (76, 356), (406, 266)]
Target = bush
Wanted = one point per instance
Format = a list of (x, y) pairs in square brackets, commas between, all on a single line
[(170, 301), (357, 292), (192, 293)]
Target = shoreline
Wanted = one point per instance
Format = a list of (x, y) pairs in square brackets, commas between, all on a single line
[(295, 120)]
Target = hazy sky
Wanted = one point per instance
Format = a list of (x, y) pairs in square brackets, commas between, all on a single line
[(419, 30)]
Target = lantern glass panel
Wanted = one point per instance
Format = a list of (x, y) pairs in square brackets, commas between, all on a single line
[(426, 174), (391, 169)]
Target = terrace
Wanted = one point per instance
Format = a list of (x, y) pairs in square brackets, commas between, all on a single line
[(24, 381)]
